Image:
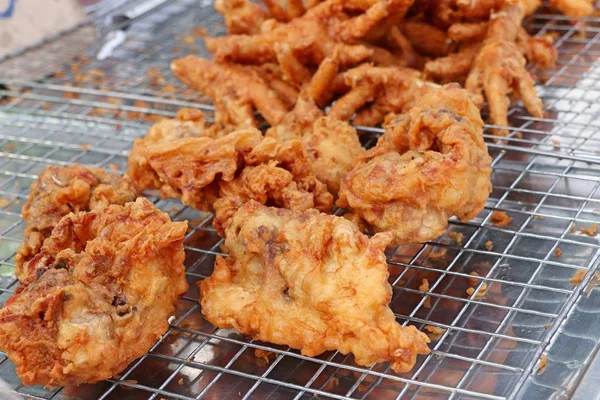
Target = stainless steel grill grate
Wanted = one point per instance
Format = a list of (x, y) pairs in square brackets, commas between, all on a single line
[(546, 177)]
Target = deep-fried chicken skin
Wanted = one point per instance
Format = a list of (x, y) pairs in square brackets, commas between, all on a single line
[(430, 164), (61, 190), (241, 165), (189, 123), (97, 296), (241, 16), (574, 8), (310, 281), (499, 69), (234, 90)]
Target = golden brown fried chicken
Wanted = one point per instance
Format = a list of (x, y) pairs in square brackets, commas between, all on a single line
[(61, 190), (430, 164), (574, 8), (241, 16), (234, 90), (241, 165), (313, 36), (97, 296), (499, 69), (309, 281), (189, 123)]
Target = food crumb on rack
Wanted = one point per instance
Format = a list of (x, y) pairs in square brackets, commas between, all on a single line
[(578, 277), (10, 146), (115, 100), (558, 252), (538, 217), (263, 355), (113, 167), (424, 287), (434, 332), (155, 76), (98, 112), (59, 74), (473, 281), (118, 127), (501, 219), (438, 254), (556, 144), (595, 281), (547, 326), (3, 202), (47, 106), (572, 228), (457, 236), (489, 245), (481, 292), (71, 95), (85, 146), (180, 382), (169, 89), (591, 231), (542, 364), (188, 39), (126, 387), (200, 31)]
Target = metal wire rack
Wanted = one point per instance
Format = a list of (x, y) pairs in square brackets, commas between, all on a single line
[(546, 178)]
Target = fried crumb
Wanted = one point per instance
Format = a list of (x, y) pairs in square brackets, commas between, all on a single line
[(501, 219), (547, 326), (457, 236), (3, 202), (434, 332), (592, 231), (141, 104), (188, 39), (114, 100), (113, 167), (75, 68), (263, 355), (572, 228), (595, 281), (131, 115), (154, 76), (538, 217), (98, 112), (169, 89), (10, 146), (59, 74), (424, 287), (558, 252), (180, 381), (473, 281), (152, 118), (578, 277), (542, 364), (200, 32), (47, 106), (118, 127), (489, 245), (85, 146), (438, 254), (176, 50), (556, 143), (126, 387), (71, 95), (480, 293)]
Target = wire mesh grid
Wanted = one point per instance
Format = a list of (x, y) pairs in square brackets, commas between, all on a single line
[(546, 178)]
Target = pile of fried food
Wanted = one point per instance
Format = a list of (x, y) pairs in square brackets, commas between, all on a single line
[(101, 269)]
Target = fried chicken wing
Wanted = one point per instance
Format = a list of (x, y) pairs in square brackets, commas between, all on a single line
[(574, 8), (430, 164), (310, 281), (61, 190), (234, 90), (97, 295)]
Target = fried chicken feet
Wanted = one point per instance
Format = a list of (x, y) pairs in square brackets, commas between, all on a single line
[(310, 281)]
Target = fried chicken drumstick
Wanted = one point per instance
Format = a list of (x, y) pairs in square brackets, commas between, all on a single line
[(96, 296), (310, 281), (61, 190), (431, 163)]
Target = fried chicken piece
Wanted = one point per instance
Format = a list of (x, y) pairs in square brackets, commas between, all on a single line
[(234, 90), (430, 164), (97, 296), (241, 166), (426, 38), (60, 191), (499, 68), (309, 281), (538, 50), (574, 8), (311, 37), (384, 89), (189, 123), (241, 16)]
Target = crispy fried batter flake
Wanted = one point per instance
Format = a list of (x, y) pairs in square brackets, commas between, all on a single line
[(310, 281), (97, 296), (61, 190)]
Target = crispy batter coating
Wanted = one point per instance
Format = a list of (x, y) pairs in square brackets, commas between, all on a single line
[(235, 91), (574, 8), (426, 38), (241, 16), (310, 281), (241, 165), (499, 69), (97, 296), (430, 164), (189, 123), (61, 190)]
